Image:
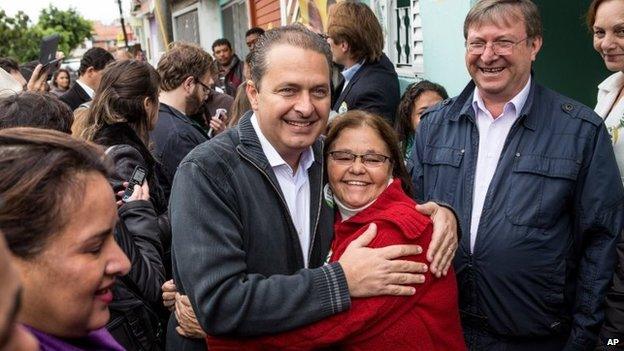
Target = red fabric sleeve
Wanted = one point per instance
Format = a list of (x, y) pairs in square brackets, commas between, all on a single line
[(364, 317)]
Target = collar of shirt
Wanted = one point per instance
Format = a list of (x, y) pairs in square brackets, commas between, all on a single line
[(612, 83), (86, 88), (274, 158), (351, 71), (295, 187), (177, 113), (514, 105)]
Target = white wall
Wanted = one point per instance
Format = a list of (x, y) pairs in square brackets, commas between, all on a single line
[(210, 27), (442, 22)]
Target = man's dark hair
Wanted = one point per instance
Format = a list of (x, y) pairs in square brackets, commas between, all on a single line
[(8, 64), (97, 58), (37, 110), (295, 35), (220, 42), (254, 30)]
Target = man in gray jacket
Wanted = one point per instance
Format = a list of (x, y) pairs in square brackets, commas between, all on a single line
[(251, 230)]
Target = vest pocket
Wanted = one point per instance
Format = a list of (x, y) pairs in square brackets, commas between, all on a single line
[(442, 172), (540, 188)]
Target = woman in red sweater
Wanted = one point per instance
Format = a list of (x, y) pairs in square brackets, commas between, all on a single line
[(368, 183)]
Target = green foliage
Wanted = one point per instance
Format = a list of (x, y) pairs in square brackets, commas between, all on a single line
[(20, 39), (72, 28)]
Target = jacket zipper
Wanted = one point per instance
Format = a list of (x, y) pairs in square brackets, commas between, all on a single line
[(318, 212), (514, 128), (284, 205)]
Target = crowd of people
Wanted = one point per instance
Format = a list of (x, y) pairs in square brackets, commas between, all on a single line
[(294, 200)]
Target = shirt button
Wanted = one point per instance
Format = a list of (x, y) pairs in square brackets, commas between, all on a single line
[(517, 154)]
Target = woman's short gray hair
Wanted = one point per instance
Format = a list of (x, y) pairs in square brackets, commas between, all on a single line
[(496, 11), (296, 35)]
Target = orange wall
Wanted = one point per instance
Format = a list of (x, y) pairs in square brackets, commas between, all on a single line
[(265, 13)]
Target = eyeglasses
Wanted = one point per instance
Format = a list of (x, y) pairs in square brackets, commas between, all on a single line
[(348, 158), (324, 36), (500, 47), (206, 88)]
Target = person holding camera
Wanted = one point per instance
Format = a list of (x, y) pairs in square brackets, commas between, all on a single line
[(123, 112)]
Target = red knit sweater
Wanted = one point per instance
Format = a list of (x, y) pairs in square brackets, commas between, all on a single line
[(427, 321)]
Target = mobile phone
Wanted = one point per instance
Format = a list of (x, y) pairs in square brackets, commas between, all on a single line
[(51, 66), (48, 48), (138, 177), (47, 54), (221, 113)]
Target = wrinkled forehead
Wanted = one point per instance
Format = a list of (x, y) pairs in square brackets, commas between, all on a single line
[(282, 55), (501, 16)]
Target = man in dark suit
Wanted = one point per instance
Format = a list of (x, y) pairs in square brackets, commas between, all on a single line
[(89, 74), (370, 81)]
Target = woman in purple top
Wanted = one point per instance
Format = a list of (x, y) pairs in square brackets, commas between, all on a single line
[(58, 213)]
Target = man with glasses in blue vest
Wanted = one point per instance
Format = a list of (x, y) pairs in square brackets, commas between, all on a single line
[(533, 178)]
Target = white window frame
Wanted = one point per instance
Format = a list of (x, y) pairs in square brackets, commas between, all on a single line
[(240, 48), (175, 15), (386, 13)]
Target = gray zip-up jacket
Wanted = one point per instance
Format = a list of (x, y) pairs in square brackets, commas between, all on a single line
[(236, 252)]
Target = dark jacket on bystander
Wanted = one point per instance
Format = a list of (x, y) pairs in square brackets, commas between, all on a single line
[(174, 136), (374, 88), (143, 233)]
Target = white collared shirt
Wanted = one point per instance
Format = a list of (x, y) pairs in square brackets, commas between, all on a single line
[(350, 72), (492, 136), (613, 114), (86, 88), (295, 187)]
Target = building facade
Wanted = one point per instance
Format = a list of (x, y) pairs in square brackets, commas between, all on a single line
[(423, 38)]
